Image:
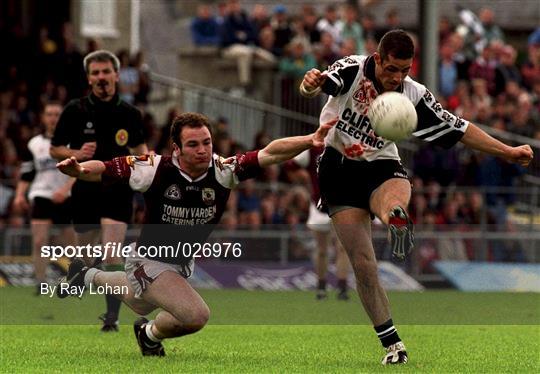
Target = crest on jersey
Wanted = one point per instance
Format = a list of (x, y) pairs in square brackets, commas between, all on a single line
[(89, 128), (121, 137), (131, 160), (173, 192), (364, 95), (208, 196)]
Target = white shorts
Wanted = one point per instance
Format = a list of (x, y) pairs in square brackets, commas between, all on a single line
[(141, 271), (317, 220)]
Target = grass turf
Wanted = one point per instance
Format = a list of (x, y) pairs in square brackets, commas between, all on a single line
[(279, 332)]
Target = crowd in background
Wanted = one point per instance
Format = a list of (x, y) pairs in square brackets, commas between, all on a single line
[(480, 79)]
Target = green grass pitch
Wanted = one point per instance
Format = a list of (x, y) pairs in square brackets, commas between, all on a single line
[(445, 331)]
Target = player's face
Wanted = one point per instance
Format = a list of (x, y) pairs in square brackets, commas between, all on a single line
[(196, 151), (391, 71), (50, 117), (102, 78)]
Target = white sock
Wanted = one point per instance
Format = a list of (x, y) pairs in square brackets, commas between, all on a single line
[(150, 334), (89, 276)]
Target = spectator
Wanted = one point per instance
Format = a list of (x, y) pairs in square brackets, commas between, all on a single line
[(144, 78), (491, 30), (348, 48), (448, 71), (73, 77), (128, 83), (392, 22), (369, 27), (297, 62), (329, 24), (480, 97), (530, 70), (506, 69), (249, 205), (239, 40), (259, 17), (267, 41), (222, 12), (309, 20), (445, 29), (329, 51), (484, 67), (524, 120), (204, 27), (350, 28), (282, 29)]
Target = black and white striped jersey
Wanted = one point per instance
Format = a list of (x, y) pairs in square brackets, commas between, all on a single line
[(39, 168), (352, 88)]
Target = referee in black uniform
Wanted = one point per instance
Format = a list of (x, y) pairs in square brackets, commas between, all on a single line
[(100, 126)]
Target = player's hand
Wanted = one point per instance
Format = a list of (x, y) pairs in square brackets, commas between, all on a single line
[(522, 155), (87, 151), (313, 79), (319, 135), (71, 167), (20, 204)]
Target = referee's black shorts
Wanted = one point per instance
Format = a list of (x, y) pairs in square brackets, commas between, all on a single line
[(345, 182), (93, 201), (44, 208)]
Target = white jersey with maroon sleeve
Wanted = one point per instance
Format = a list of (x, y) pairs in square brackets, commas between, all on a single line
[(352, 87)]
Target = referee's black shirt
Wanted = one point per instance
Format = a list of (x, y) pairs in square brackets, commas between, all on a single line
[(114, 125)]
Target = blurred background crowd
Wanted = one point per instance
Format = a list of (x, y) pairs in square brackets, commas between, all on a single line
[(482, 77)]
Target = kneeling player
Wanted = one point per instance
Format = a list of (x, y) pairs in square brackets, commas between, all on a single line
[(195, 178)]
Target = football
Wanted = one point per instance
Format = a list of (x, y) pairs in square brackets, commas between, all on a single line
[(392, 116)]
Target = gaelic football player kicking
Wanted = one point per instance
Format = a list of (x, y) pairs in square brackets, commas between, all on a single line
[(189, 189), (360, 173)]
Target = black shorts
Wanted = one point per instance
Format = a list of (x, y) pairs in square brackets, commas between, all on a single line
[(59, 214), (345, 182), (93, 201)]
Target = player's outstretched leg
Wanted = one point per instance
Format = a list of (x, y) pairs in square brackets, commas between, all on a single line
[(395, 354), (73, 281), (401, 233), (149, 345)]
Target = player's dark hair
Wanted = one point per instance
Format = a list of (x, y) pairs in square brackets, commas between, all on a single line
[(101, 56), (396, 43), (191, 120)]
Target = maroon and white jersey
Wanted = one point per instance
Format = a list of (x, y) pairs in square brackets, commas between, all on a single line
[(174, 199), (171, 195), (352, 87)]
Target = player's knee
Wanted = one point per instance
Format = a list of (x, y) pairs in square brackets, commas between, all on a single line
[(196, 319)]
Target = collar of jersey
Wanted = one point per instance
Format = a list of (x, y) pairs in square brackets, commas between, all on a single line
[(186, 175), (369, 72)]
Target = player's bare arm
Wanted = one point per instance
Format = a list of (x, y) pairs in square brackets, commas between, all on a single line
[(478, 139), (88, 171), (61, 194), (20, 203), (85, 153), (312, 83), (284, 149)]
